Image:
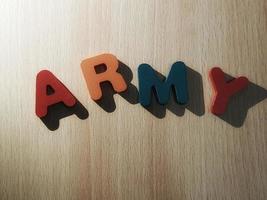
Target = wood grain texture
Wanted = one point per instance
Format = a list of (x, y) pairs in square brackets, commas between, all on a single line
[(130, 153)]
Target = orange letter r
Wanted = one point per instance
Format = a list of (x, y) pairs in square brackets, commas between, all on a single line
[(93, 78)]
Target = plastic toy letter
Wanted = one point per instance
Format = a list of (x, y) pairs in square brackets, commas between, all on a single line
[(224, 90), (93, 79), (60, 93), (149, 79)]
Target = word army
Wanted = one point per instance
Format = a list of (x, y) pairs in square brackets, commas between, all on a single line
[(104, 68)]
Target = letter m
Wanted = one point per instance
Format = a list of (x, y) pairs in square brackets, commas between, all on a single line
[(149, 80)]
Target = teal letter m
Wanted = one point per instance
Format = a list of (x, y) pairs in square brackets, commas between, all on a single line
[(148, 79)]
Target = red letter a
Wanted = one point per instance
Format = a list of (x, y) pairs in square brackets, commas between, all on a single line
[(224, 90), (60, 93)]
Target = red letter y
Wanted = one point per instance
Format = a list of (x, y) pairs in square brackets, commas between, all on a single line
[(224, 90)]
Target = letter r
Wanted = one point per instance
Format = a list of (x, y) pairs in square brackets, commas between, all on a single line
[(93, 79)]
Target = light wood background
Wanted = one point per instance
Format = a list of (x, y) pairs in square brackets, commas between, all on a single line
[(129, 153)]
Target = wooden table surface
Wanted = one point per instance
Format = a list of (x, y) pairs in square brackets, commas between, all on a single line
[(130, 152)]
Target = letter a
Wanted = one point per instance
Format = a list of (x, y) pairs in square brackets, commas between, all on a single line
[(93, 79), (45, 80), (224, 90)]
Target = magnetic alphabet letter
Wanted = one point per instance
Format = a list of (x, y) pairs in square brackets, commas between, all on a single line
[(176, 78), (224, 90), (93, 79), (46, 80)]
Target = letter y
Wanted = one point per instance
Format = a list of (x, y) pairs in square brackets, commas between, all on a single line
[(223, 90)]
